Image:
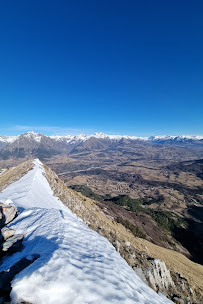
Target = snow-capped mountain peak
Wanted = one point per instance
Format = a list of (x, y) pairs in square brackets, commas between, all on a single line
[(33, 136), (100, 135), (83, 137), (38, 144)]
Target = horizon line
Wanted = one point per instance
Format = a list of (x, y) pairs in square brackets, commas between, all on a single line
[(96, 133)]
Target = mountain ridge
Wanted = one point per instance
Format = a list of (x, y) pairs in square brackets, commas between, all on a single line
[(141, 255), (83, 137), (42, 146)]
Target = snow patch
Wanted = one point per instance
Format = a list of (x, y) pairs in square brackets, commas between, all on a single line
[(8, 139), (2, 171)]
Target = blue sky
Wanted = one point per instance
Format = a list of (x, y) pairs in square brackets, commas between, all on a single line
[(120, 67)]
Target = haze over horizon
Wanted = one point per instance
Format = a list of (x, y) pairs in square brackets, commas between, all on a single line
[(131, 68)]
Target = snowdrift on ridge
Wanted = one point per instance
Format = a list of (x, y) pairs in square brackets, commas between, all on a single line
[(76, 265)]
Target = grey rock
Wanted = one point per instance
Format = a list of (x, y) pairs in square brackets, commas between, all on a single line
[(6, 233), (139, 271), (13, 244), (7, 214), (157, 275), (178, 300), (117, 245)]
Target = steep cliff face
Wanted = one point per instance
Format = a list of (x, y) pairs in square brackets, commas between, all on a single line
[(157, 275)]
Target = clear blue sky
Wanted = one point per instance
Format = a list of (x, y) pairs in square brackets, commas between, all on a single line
[(120, 67)]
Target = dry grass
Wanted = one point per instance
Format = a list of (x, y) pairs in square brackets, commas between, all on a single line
[(174, 261), (13, 174)]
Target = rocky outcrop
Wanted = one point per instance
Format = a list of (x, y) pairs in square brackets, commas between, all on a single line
[(9, 244), (13, 244), (7, 214), (9, 241), (6, 233), (157, 275)]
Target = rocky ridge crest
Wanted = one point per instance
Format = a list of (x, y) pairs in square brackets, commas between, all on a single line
[(162, 269)]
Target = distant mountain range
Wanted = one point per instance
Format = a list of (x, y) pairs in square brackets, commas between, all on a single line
[(41, 145)]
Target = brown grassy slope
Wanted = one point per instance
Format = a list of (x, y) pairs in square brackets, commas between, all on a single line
[(11, 175), (92, 215)]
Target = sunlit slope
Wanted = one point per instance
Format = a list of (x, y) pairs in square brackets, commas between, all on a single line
[(76, 264)]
